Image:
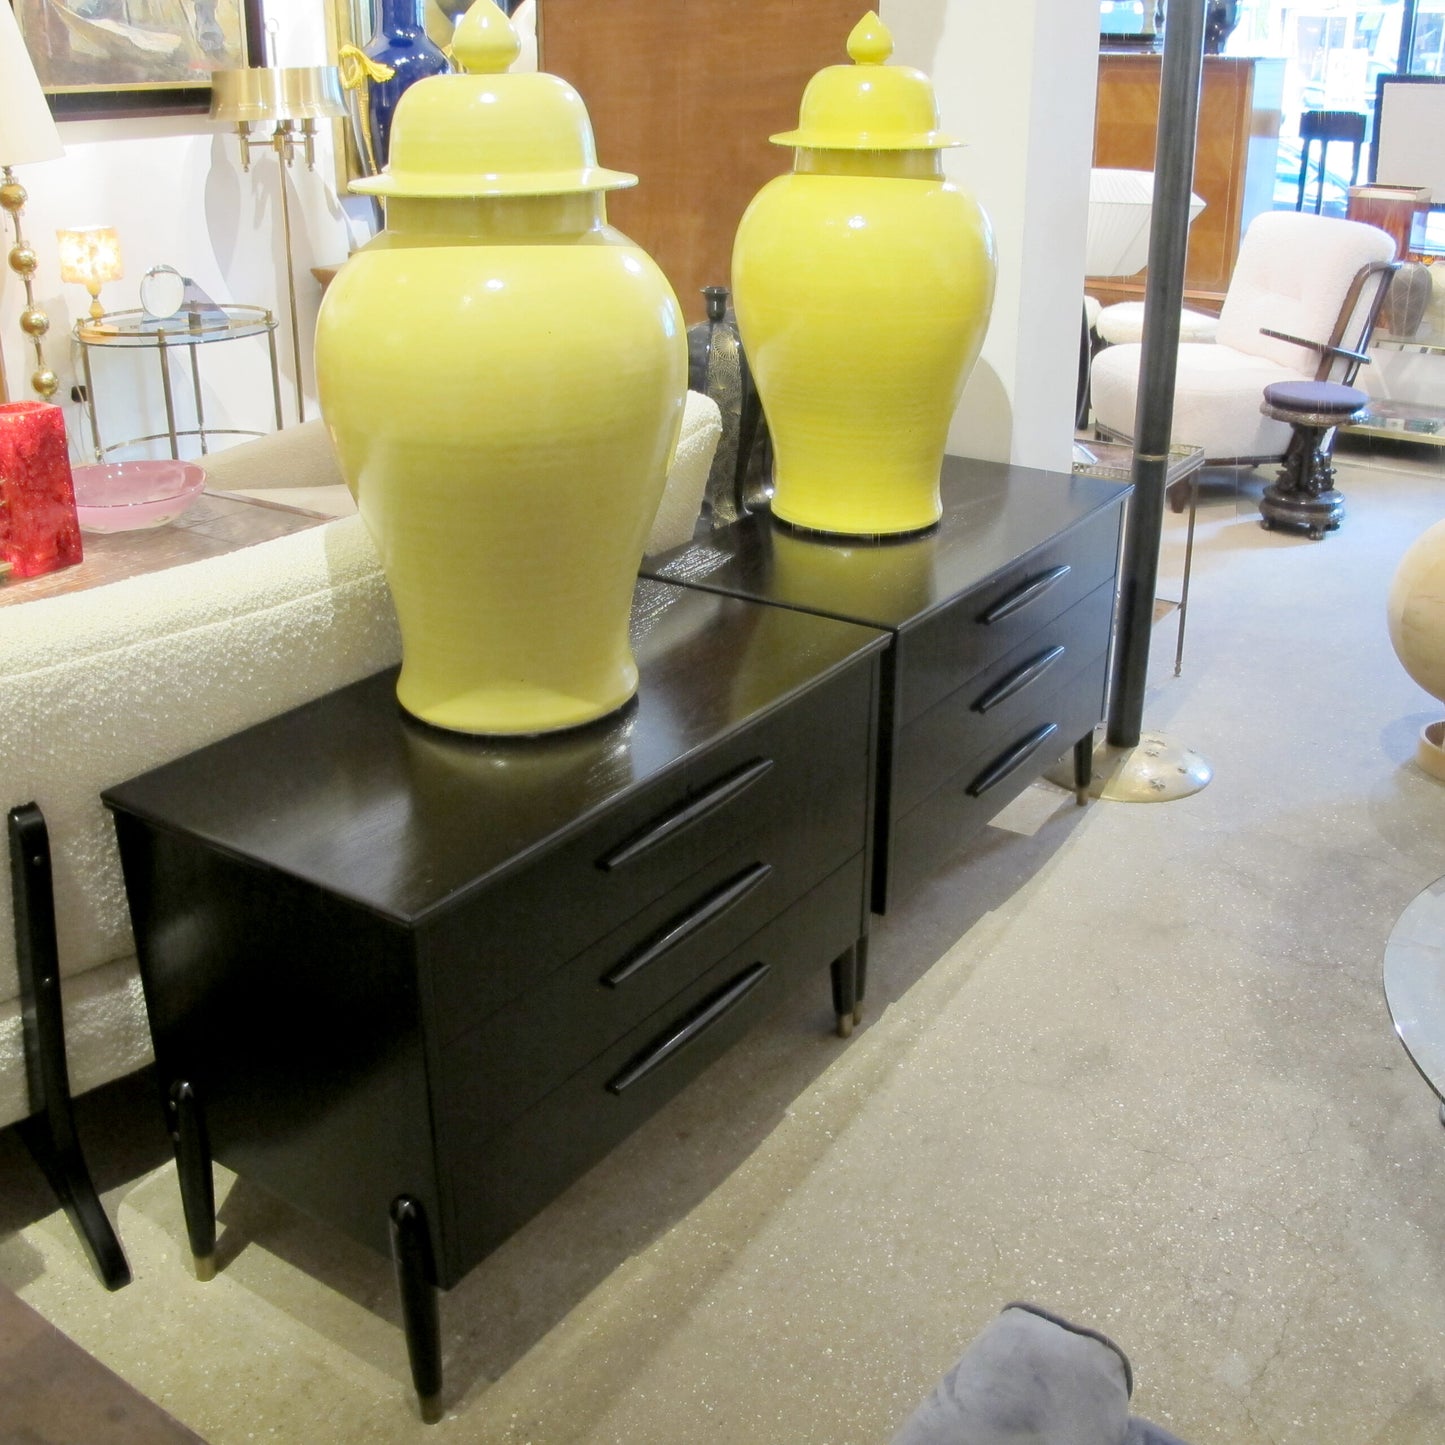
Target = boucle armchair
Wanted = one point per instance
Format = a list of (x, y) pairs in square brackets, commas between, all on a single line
[(1297, 273)]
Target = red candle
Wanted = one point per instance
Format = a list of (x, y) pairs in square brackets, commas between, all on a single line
[(38, 528)]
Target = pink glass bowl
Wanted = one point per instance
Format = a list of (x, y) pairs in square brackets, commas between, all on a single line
[(128, 496)]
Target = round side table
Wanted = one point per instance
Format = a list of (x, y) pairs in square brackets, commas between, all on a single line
[(188, 329)]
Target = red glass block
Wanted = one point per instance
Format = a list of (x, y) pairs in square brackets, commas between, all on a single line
[(38, 528)]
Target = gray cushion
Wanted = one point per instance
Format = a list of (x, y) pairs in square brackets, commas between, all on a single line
[(1032, 1378), (1315, 396)]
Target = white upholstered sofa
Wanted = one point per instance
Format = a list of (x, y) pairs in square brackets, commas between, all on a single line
[(98, 686)]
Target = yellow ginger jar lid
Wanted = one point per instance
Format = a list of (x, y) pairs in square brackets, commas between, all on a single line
[(490, 133), (868, 106)]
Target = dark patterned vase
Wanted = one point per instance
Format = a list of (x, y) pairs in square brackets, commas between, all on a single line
[(400, 41), (717, 367), (1220, 18)]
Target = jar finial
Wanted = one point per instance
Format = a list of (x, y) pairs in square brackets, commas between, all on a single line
[(870, 42), (485, 42)]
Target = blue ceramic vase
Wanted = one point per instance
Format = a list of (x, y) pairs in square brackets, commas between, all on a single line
[(400, 41)]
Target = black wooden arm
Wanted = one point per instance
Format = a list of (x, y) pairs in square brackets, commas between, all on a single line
[(1323, 347)]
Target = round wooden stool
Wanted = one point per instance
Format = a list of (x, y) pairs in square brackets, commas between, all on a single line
[(1303, 495)]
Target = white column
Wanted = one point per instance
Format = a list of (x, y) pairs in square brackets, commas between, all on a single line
[(1016, 82)]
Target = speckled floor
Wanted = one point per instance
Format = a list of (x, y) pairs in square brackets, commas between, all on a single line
[(1131, 1062)]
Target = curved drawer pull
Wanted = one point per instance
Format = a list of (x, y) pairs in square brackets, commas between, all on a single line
[(1011, 761), (687, 1029), (688, 812), (1019, 679), (700, 914), (1026, 592)]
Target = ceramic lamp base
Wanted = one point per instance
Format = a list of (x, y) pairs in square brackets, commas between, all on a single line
[(1430, 750)]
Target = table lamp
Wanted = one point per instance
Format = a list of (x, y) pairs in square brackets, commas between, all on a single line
[(27, 134), (291, 99), (90, 256), (1120, 205)]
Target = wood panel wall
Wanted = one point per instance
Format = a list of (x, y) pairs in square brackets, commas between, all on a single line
[(685, 93), (1234, 158)]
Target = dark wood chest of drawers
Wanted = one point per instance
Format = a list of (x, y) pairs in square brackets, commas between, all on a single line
[(1000, 617), (387, 961)]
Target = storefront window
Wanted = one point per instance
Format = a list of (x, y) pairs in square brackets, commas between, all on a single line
[(1335, 50)]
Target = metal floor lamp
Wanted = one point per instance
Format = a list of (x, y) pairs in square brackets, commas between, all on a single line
[(1129, 766), (291, 100)]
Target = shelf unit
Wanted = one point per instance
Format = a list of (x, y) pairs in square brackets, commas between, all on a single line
[(1408, 421)]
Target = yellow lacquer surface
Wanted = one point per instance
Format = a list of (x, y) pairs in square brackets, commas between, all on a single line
[(862, 300), (504, 385)]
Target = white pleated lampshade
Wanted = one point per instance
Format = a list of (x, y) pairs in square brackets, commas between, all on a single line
[(27, 133), (1120, 204)]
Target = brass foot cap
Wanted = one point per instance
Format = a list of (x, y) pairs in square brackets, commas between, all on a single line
[(858, 1014), (845, 1025), (431, 1408), (205, 1266)]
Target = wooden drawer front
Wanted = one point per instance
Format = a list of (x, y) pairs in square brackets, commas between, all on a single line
[(998, 703), (943, 651), (541, 1037), (803, 772), (496, 1181), (934, 829)]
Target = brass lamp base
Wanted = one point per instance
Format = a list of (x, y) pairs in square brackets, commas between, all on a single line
[(1155, 771)]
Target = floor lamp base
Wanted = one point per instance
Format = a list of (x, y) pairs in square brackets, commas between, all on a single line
[(1156, 770)]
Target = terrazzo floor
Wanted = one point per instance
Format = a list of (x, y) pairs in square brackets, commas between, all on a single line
[(1130, 1062)]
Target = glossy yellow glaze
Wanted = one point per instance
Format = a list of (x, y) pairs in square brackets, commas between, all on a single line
[(862, 302), (504, 408), (863, 284), (503, 377)]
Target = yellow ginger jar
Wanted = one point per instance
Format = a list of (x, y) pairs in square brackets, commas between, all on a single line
[(863, 283), (503, 376)]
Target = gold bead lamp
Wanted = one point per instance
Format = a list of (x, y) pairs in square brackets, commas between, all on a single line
[(89, 257), (27, 135)]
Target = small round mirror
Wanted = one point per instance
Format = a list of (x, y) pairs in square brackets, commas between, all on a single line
[(162, 290)]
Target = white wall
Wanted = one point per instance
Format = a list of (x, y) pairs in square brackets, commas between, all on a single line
[(174, 190), (1017, 82)]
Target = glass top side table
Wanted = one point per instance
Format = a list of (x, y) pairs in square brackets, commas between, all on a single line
[(1115, 460), (1414, 978), (191, 329)]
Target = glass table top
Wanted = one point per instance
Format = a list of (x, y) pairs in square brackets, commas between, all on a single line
[(192, 326), (1415, 982)]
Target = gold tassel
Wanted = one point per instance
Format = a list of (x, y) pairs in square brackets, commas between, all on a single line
[(356, 68)]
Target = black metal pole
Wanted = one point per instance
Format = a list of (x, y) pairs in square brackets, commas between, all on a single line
[(1409, 20), (1183, 68)]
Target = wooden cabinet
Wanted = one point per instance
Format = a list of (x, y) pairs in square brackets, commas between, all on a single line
[(685, 95), (392, 964), (1234, 161), (1000, 618)]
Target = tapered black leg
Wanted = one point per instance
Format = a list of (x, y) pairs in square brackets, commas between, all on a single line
[(1083, 767), (415, 1282), (193, 1168), (845, 989), (49, 1133)]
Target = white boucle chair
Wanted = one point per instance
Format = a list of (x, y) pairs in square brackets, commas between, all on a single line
[(97, 686), (1311, 277)]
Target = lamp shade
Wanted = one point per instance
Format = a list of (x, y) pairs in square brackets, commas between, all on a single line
[(303, 92), (27, 133), (89, 256), (1120, 205)]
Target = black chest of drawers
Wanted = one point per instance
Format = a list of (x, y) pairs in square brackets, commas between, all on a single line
[(417, 983), (1000, 619)]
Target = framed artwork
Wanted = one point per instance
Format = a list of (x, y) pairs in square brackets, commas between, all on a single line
[(108, 58)]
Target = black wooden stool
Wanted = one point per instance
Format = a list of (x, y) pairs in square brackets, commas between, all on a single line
[(1321, 127), (1303, 495)]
